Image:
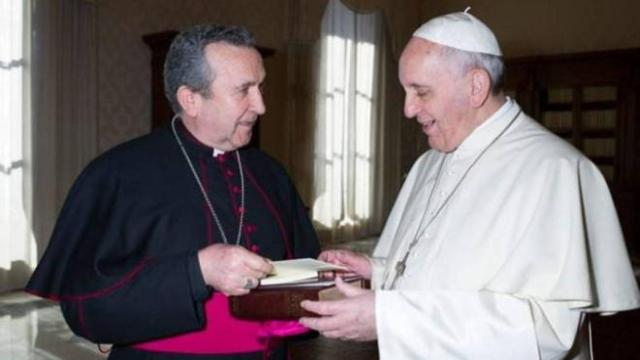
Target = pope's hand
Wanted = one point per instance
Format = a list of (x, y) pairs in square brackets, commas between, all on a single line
[(231, 269), (351, 318), (355, 262)]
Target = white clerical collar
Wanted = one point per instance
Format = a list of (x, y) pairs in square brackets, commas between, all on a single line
[(217, 152), (489, 129)]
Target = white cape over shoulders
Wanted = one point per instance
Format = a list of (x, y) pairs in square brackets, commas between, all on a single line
[(532, 223)]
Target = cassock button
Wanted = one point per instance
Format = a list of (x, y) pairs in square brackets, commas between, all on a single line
[(250, 228), (228, 173), (235, 189)]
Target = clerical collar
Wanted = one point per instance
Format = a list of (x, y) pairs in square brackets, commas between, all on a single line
[(217, 152), (484, 133), (193, 144)]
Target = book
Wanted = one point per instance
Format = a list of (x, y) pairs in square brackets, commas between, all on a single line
[(300, 270), (278, 295), (282, 301)]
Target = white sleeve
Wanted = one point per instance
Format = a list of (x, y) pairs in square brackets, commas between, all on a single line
[(446, 324)]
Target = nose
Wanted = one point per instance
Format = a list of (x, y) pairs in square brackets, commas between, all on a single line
[(410, 106), (257, 102)]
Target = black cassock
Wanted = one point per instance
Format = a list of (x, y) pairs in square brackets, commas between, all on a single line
[(122, 259)]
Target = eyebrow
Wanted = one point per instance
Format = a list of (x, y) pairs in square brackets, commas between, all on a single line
[(418, 86), (249, 84)]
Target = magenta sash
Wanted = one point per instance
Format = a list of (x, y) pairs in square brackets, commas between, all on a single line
[(224, 334)]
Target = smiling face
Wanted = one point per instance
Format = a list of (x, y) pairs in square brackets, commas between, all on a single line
[(436, 95), (225, 119)]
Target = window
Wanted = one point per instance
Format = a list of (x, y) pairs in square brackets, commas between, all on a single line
[(349, 114), (17, 248)]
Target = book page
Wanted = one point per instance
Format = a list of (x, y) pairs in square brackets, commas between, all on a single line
[(295, 270)]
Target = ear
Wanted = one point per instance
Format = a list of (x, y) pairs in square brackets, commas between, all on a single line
[(189, 101), (480, 86)]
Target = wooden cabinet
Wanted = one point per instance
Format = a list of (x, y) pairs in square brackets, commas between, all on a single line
[(159, 43), (593, 101)]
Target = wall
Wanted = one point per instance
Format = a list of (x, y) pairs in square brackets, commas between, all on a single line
[(290, 27), (123, 66), (542, 27)]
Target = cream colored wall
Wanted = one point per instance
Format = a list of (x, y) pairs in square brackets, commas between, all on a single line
[(538, 27), (289, 26), (541, 27), (124, 60), (524, 28)]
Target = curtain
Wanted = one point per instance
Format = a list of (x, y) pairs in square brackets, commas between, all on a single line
[(17, 247), (65, 103), (350, 115), (48, 108)]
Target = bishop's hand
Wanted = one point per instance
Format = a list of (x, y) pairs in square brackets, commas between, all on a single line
[(351, 318), (232, 269)]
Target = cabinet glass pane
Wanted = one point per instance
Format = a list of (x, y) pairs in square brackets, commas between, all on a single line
[(607, 172), (599, 119), (599, 147), (599, 93), (560, 95), (557, 120)]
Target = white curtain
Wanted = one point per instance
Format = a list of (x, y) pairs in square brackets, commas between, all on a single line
[(17, 247), (349, 117), (48, 97)]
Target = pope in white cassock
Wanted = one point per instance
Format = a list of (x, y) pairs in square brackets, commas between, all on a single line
[(503, 236)]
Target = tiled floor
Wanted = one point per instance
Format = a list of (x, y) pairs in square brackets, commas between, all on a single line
[(32, 328)]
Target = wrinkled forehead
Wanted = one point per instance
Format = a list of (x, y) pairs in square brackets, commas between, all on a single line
[(419, 57), (418, 49), (222, 52), (230, 60)]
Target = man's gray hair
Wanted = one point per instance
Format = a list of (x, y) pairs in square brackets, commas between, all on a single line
[(463, 61), (186, 63)]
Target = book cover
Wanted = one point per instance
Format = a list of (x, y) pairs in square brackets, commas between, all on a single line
[(299, 270)]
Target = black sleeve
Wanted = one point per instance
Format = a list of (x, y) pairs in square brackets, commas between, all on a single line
[(155, 302), (113, 287)]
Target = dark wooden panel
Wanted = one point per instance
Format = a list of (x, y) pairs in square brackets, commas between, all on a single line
[(531, 78), (616, 337)]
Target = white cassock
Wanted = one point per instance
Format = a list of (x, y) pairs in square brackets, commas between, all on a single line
[(526, 244)]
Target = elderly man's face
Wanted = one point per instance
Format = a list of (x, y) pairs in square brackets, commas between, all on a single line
[(435, 95), (226, 118)]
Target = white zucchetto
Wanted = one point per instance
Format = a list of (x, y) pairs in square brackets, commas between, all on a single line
[(461, 31)]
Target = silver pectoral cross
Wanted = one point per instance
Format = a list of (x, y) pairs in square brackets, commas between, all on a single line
[(400, 267)]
